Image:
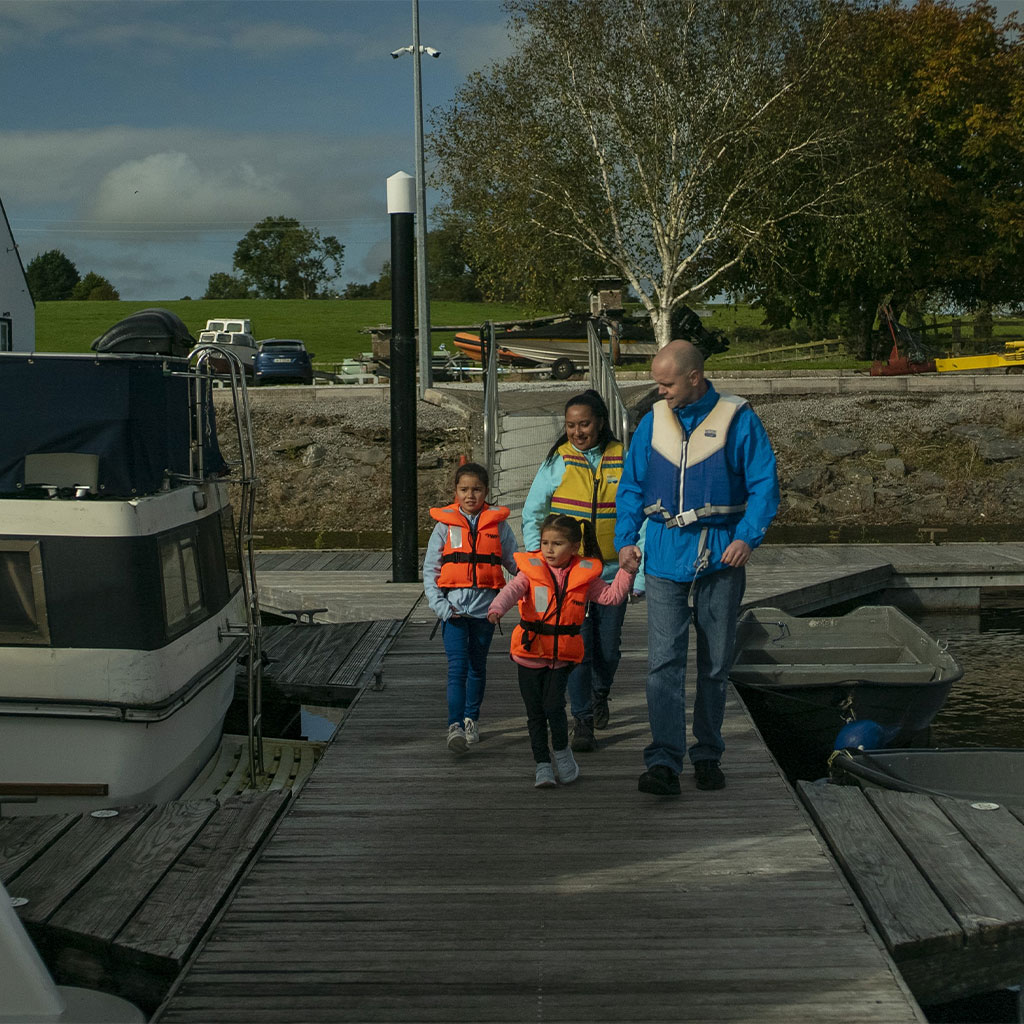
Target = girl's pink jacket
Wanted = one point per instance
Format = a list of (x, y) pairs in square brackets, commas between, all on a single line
[(599, 592)]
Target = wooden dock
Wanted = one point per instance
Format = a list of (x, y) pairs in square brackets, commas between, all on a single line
[(942, 879), (409, 885), (120, 900)]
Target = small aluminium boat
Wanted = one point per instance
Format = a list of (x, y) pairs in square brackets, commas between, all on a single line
[(804, 679), (993, 774)]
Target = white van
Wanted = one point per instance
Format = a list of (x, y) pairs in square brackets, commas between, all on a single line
[(229, 325)]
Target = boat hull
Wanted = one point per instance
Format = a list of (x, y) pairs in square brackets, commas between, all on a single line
[(126, 760), (802, 680), (965, 773)]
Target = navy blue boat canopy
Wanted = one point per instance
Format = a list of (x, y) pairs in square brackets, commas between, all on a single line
[(131, 412)]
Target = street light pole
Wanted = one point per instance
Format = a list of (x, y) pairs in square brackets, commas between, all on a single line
[(423, 304)]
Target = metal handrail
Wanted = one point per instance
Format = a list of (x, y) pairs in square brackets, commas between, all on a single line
[(602, 378), (201, 428), (490, 400)]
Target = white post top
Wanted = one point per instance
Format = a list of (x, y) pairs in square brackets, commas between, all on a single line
[(401, 193)]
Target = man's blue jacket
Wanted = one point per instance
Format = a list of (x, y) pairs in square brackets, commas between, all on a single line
[(671, 553)]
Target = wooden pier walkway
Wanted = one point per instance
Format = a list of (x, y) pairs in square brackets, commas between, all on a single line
[(409, 885), (942, 879)]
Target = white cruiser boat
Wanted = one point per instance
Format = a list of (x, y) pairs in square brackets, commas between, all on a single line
[(126, 599)]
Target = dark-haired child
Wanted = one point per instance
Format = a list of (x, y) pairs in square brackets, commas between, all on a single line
[(553, 586), (462, 572)]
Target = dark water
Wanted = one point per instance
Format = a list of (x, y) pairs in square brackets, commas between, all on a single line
[(986, 707)]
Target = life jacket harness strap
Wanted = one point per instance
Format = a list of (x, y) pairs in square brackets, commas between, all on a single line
[(692, 515), (536, 627), (460, 557)]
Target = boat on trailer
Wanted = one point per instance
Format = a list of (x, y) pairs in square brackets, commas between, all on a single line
[(806, 679), (126, 597)]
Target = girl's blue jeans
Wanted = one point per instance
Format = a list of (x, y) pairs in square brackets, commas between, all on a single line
[(466, 643)]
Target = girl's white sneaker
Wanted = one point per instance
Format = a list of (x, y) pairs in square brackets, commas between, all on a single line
[(472, 732), (545, 776), (568, 769), (456, 738)]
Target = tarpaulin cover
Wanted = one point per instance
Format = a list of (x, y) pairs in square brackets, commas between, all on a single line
[(130, 411), (149, 331)]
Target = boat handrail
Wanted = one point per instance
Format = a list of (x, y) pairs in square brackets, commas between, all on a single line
[(201, 379)]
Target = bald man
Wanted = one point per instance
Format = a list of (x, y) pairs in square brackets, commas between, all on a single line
[(701, 471)]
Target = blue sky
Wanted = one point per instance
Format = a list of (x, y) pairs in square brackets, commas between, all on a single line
[(143, 138)]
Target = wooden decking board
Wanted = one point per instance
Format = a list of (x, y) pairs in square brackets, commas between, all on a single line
[(987, 910), (969, 861), (881, 871), (23, 839), (401, 872), (102, 906), (68, 862), (168, 927), (997, 832)]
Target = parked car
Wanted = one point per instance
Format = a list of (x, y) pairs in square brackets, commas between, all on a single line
[(243, 345), (283, 359)]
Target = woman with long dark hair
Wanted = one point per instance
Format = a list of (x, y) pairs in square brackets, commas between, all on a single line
[(580, 477)]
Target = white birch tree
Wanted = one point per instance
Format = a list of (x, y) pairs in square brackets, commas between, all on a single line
[(660, 140)]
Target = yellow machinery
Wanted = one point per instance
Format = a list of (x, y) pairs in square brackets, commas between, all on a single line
[(1012, 358)]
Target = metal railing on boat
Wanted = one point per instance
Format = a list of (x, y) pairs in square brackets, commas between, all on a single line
[(202, 435)]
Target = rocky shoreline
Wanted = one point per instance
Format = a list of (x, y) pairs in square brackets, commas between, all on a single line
[(949, 460)]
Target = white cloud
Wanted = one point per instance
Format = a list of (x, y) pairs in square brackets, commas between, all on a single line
[(167, 190)]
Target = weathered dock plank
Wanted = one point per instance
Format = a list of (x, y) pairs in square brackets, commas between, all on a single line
[(23, 839), (103, 905), (51, 878), (940, 878), (168, 926), (406, 884)]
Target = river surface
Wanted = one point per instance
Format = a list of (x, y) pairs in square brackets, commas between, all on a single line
[(986, 707)]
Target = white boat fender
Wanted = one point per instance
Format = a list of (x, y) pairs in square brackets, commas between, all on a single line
[(29, 994)]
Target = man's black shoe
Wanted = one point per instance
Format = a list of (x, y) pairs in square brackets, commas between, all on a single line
[(659, 780), (583, 741), (601, 712), (709, 775)]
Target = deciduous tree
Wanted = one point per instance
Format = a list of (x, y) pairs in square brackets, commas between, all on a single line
[(659, 140), (51, 276), (95, 288), (225, 286), (281, 259)]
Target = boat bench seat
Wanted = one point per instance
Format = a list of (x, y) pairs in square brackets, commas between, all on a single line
[(815, 675)]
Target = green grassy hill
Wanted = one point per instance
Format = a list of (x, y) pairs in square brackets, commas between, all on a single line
[(330, 328)]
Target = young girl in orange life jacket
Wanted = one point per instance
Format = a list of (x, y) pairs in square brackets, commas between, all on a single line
[(553, 586), (462, 572)]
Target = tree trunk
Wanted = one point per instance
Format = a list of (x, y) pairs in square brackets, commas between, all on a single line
[(662, 324)]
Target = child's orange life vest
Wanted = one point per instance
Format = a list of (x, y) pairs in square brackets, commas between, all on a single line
[(552, 617), (471, 556)]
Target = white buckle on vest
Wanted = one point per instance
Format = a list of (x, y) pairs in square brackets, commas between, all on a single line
[(685, 518)]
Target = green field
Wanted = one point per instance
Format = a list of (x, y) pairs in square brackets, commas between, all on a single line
[(330, 328)]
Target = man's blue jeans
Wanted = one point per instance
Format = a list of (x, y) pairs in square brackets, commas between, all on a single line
[(717, 598), (466, 643), (602, 651)]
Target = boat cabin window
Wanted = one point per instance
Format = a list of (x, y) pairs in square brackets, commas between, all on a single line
[(6, 342), (23, 617), (182, 585)]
